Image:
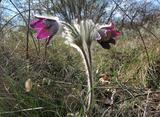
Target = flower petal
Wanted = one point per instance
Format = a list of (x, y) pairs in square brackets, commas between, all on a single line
[(110, 25), (47, 17), (116, 33), (96, 35), (105, 34), (43, 34), (45, 28), (112, 41), (37, 25), (104, 44), (108, 34), (52, 26)]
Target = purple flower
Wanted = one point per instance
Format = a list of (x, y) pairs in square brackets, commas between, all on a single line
[(45, 27), (108, 35)]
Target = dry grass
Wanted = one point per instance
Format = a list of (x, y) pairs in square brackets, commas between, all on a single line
[(59, 83)]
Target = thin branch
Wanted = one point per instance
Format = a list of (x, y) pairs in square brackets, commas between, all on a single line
[(129, 98), (143, 44), (20, 13), (111, 14), (150, 32), (146, 106), (27, 38), (141, 37), (131, 19), (23, 110), (8, 9), (136, 96), (14, 17)]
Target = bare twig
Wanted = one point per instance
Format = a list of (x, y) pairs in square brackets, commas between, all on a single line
[(20, 13), (104, 113), (111, 103), (112, 98), (27, 38), (8, 9), (23, 110), (110, 16), (141, 37), (139, 32), (146, 105), (125, 88), (132, 20)]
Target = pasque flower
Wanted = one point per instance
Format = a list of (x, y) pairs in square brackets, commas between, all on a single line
[(45, 27), (79, 35), (108, 35)]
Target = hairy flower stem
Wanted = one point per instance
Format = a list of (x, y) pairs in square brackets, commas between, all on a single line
[(90, 81), (90, 92)]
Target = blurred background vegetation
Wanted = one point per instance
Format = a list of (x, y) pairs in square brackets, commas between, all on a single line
[(127, 76)]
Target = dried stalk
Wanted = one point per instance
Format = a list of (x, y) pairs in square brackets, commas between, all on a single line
[(146, 105)]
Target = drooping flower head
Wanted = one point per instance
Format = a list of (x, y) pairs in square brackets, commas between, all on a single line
[(108, 35), (45, 27)]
